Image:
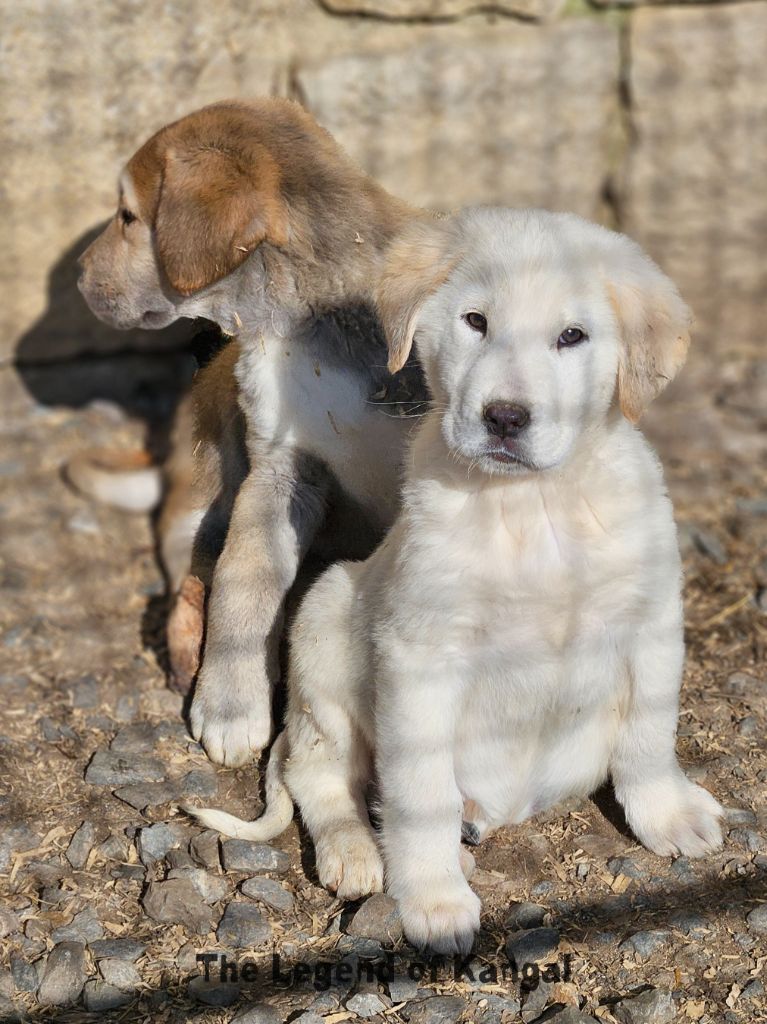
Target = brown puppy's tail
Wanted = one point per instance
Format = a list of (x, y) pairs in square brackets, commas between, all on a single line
[(125, 480)]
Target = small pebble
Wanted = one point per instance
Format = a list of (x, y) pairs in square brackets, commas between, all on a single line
[(757, 919), (201, 782), (99, 996), (748, 839), (365, 1004), (401, 990), (84, 927), (15, 839), (138, 738), (542, 888), (64, 975), (108, 768), (644, 943), (86, 693), (243, 926), (81, 845), (269, 892), (147, 794), (24, 974), (654, 1006), (117, 949), (529, 945), (525, 915), (177, 901), (749, 726), (120, 973), (739, 816), (377, 919), (260, 1013), (241, 855), (212, 888), (689, 922), (204, 849), (154, 841), (437, 1010), (753, 990), (626, 866), (213, 993)]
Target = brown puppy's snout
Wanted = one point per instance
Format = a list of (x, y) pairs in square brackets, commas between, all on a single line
[(504, 419)]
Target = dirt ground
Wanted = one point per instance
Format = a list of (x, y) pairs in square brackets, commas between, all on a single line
[(81, 668)]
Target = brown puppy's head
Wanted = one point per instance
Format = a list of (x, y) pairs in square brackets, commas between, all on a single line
[(194, 202)]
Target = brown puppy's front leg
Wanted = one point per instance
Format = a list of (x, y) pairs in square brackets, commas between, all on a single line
[(278, 510)]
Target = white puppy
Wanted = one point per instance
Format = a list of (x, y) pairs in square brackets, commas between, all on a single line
[(518, 636)]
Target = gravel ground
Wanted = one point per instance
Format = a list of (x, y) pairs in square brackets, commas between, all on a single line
[(108, 893)]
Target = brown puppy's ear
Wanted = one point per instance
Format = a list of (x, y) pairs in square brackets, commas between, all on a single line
[(417, 262), (215, 207), (655, 329)]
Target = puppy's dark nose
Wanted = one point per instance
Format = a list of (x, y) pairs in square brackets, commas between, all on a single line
[(504, 419)]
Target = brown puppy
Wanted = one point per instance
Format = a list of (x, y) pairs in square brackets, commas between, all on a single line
[(251, 216)]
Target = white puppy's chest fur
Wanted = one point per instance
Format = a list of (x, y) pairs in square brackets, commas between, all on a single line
[(535, 589), (295, 401)]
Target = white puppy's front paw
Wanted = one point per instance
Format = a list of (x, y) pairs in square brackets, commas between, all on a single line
[(232, 731), (674, 816), (442, 916), (349, 864)]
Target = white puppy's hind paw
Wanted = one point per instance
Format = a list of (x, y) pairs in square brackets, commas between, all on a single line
[(444, 921), (676, 817), (349, 864)]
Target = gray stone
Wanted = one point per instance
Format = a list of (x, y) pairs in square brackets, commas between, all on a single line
[(81, 845), (211, 888), (204, 849), (154, 841), (201, 782), (542, 888), (439, 10), (626, 866), (213, 993), (117, 949), (241, 855), (689, 922), (749, 726), (177, 901), (494, 1008), (525, 915), (64, 975), (114, 848), (260, 1013), (708, 544), (739, 816), (9, 922), (147, 794), (654, 1006), (16, 838), (180, 859), (739, 684), (748, 839), (437, 1010), (100, 996), (55, 732), (243, 926), (138, 738), (644, 943), (682, 869), (85, 693), (570, 1016), (402, 989), (753, 990), (365, 1004), (268, 891), (757, 919), (751, 506), (84, 927), (120, 973), (425, 105), (377, 919), (531, 944), (108, 768), (25, 976), (680, 64), (126, 707)]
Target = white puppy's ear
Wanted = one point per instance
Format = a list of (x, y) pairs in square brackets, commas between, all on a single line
[(417, 262), (654, 324)]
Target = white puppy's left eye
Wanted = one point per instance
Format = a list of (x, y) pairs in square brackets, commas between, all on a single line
[(571, 336)]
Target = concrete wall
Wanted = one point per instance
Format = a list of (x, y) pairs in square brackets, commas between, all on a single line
[(649, 118)]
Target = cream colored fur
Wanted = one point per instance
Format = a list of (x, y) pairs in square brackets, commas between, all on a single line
[(517, 638)]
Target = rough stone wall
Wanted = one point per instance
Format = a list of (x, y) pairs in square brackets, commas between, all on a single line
[(649, 118)]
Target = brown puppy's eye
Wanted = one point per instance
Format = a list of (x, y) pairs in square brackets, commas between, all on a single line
[(571, 336), (127, 217), (477, 322)]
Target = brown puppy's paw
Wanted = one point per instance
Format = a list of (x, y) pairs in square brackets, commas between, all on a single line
[(186, 626)]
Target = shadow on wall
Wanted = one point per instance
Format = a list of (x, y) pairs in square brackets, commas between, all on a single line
[(68, 357)]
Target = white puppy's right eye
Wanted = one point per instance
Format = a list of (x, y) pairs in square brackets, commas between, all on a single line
[(477, 322)]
